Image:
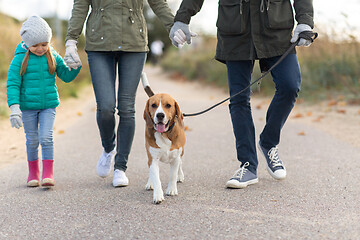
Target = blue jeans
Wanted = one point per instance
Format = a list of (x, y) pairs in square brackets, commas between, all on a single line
[(286, 77), (38, 127), (104, 68)]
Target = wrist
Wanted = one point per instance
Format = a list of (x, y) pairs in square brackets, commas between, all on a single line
[(71, 42)]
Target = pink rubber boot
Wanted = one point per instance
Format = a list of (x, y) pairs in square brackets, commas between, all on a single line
[(34, 174), (47, 175)]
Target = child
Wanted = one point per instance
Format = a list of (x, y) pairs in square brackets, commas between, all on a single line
[(33, 97)]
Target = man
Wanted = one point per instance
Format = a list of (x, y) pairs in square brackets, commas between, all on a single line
[(249, 30)]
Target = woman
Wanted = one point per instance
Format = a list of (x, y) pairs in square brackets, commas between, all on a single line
[(116, 43)]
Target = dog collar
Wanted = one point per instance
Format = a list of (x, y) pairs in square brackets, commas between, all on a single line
[(171, 127)]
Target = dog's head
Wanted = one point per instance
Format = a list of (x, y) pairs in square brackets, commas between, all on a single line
[(161, 112)]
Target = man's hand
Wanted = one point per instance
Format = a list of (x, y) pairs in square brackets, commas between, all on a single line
[(71, 57), (180, 33), (15, 116), (301, 28)]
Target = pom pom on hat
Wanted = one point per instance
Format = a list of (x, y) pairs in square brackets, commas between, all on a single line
[(35, 30)]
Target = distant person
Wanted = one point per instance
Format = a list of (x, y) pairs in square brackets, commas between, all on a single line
[(116, 44), (156, 49), (248, 31), (33, 97)]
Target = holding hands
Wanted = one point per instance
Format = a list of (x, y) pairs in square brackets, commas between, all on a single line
[(180, 33), (15, 116), (71, 57)]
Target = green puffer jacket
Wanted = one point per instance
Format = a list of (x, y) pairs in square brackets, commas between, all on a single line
[(115, 25), (36, 89), (252, 29)]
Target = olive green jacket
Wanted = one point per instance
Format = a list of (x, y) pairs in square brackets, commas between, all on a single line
[(115, 25), (252, 29)]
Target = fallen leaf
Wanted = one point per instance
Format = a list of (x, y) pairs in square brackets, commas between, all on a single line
[(342, 103), (61, 132), (186, 128), (302, 133), (342, 111), (298, 115), (79, 113), (332, 103), (309, 114), (258, 106)]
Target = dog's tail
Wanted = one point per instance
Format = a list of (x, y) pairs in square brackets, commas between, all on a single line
[(146, 85)]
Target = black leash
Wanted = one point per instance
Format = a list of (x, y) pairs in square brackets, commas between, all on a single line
[(308, 35)]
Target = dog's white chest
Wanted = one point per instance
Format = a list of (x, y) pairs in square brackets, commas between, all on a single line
[(163, 153)]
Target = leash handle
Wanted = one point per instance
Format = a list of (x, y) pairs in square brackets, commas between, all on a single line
[(308, 35)]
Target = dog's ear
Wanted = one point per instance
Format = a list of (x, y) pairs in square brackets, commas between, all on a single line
[(179, 114), (148, 120)]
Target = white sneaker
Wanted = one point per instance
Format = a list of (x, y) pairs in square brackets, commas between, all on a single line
[(104, 164), (120, 179)]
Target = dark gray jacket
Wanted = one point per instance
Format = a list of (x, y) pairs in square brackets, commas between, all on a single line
[(252, 29)]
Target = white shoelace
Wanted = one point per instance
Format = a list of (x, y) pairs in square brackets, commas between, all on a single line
[(107, 160), (241, 172), (274, 157)]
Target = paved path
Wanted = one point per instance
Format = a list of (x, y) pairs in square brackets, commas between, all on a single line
[(318, 200)]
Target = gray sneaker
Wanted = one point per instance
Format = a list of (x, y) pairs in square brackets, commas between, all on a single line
[(242, 178), (274, 165)]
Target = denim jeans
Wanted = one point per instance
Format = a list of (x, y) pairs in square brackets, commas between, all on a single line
[(38, 127), (107, 69), (286, 77)]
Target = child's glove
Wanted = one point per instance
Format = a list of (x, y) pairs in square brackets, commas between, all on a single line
[(71, 57), (180, 33), (15, 116), (301, 28)]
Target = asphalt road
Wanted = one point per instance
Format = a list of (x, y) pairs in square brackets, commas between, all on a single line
[(319, 199)]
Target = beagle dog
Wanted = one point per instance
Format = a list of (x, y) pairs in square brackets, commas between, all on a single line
[(164, 140)]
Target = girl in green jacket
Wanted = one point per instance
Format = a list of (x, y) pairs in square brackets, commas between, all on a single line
[(33, 97)]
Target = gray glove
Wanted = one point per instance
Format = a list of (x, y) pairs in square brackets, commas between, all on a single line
[(180, 33), (15, 116), (71, 57), (301, 28)]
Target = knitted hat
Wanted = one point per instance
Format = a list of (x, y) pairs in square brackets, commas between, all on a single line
[(35, 30)]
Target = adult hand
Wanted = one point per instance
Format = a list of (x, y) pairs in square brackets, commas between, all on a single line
[(15, 116), (71, 57), (180, 33), (301, 28)]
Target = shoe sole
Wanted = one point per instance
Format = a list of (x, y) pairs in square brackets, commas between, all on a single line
[(236, 184), (120, 185), (47, 182), (268, 168), (33, 183), (275, 176)]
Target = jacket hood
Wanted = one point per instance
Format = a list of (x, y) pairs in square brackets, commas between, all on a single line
[(21, 48)]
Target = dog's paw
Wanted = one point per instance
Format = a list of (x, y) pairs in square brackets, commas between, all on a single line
[(171, 191), (149, 186), (180, 178), (158, 198)]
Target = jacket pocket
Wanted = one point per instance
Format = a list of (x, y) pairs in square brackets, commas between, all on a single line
[(232, 16), (94, 29), (280, 14)]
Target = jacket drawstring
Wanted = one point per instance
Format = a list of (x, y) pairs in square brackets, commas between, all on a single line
[(262, 6), (241, 5)]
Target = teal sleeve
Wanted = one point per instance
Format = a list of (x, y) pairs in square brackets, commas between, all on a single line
[(63, 72), (13, 84)]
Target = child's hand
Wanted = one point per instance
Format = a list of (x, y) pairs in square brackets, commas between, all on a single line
[(15, 116)]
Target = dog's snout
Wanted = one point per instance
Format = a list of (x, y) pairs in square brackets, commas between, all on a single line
[(160, 116)]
